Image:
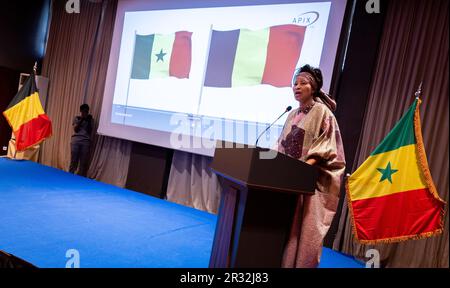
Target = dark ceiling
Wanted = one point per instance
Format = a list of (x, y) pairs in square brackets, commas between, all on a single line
[(23, 33)]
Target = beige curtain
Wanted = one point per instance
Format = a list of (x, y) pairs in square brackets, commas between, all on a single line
[(76, 61), (414, 48), (192, 183)]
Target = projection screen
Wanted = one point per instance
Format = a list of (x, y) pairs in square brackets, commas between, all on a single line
[(183, 74)]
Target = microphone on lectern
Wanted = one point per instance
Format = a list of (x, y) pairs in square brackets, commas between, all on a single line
[(285, 111)]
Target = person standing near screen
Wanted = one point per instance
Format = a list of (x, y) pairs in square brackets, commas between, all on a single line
[(311, 134), (80, 143)]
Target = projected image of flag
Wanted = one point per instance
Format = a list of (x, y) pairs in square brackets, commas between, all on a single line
[(157, 56), (251, 57)]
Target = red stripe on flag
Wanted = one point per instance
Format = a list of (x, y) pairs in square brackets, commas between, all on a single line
[(180, 60), (398, 215), (283, 52), (33, 132)]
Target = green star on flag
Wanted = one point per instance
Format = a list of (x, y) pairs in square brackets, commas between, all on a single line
[(408, 209), (160, 56), (387, 173)]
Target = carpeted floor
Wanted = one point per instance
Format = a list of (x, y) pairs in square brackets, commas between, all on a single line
[(45, 212)]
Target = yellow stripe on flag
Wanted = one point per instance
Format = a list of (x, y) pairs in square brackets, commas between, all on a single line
[(24, 111), (367, 181)]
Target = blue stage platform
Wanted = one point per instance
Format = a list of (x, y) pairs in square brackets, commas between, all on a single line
[(44, 212)]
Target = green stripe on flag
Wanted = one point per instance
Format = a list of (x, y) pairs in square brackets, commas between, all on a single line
[(160, 58), (401, 135), (250, 57), (142, 55)]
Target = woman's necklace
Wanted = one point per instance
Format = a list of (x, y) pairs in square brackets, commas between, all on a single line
[(306, 108)]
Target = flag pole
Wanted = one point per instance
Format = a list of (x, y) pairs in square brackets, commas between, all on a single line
[(15, 150), (193, 118), (204, 69), (419, 91), (129, 78)]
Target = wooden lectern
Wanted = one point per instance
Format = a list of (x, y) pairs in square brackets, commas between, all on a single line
[(257, 204)]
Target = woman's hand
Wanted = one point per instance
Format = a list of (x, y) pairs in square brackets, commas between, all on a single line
[(311, 161)]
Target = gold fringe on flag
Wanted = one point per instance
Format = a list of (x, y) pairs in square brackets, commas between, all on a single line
[(430, 185)]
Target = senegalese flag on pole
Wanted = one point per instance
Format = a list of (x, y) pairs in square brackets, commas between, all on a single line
[(158, 55), (246, 57), (26, 116), (392, 196)]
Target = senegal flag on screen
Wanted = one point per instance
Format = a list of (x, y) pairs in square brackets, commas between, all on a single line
[(26, 116), (157, 56), (245, 57), (392, 196)]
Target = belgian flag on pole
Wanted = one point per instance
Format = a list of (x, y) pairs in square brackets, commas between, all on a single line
[(26, 116)]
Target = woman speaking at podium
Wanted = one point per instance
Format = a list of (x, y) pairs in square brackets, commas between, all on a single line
[(311, 134)]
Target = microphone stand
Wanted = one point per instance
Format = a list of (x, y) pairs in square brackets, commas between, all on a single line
[(287, 110)]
